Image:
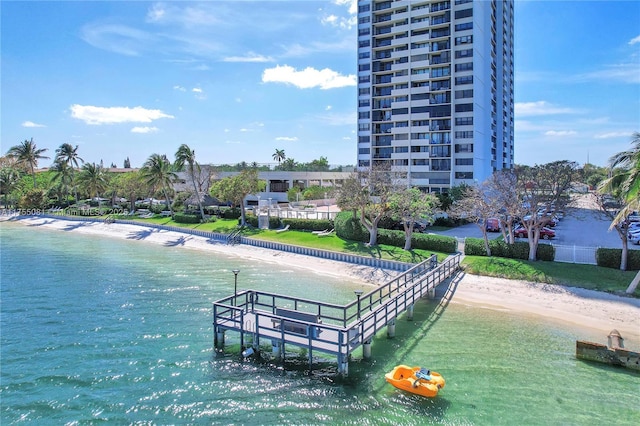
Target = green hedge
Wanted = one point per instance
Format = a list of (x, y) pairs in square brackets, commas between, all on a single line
[(309, 224), (186, 218), (349, 228), (499, 248), (440, 243), (610, 258)]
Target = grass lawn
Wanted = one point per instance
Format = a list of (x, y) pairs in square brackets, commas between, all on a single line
[(583, 276)]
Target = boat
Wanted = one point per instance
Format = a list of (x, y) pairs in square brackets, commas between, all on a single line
[(416, 380)]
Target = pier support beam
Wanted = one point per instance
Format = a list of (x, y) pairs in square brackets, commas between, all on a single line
[(366, 349), (343, 365), (410, 312), (431, 293), (391, 329), (276, 349), (218, 341)]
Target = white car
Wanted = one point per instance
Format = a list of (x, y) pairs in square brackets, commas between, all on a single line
[(635, 239)]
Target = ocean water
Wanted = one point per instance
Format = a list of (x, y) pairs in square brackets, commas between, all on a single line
[(98, 330)]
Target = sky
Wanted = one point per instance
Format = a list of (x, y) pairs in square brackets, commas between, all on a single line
[(236, 80)]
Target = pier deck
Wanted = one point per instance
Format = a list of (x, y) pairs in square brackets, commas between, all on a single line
[(328, 328)]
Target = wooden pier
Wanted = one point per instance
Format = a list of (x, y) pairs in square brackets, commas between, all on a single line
[(332, 329)]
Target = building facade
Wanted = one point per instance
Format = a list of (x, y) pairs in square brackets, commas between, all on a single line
[(436, 89)]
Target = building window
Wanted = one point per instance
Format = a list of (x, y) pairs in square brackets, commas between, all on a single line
[(364, 31), (464, 40), (402, 137), (399, 111), (464, 13), (364, 79), (464, 147), (364, 55), (402, 124), (465, 26), (441, 165), (364, 67), (364, 91), (364, 20), (364, 8), (464, 107), (464, 135), (440, 72), (467, 79), (464, 161), (364, 139), (461, 94), (419, 110), (363, 127), (363, 151), (441, 151), (417, 123), (464, 175), (364, 43), (364, 103), (419, 96), (464, 121), (401, 149), (466, 66), (466, 53)]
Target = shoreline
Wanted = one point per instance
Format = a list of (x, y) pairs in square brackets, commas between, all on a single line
[(586, 309)]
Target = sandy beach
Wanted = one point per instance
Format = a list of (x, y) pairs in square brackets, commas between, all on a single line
[(595, 310)]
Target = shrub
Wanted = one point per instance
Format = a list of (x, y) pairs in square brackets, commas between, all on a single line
[(499, 248), (610, 258), (308, 224), (349, 228), (186, 218), (233, 213), (441, 243)]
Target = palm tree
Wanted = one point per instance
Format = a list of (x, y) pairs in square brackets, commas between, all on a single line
[(279, 155), (9, 178), (64, 175), (188, 156), (27, 155), (157, 172), (68, 154), (627, 185), (94, 179), (627, 181)]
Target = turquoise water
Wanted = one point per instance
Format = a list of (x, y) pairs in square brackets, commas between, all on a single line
[(98, 330)]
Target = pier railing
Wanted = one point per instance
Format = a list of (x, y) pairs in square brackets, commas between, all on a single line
[(326, 327)]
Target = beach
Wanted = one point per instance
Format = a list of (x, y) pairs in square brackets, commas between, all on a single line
[(595, 310)]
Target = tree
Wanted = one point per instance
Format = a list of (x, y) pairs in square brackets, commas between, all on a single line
[(186, 155), (158, 173), (279, 155), (625, 183), (236, 188), (629, 187), (503, 185), (409, 206), (68, 155), (127, 163), (94, 179), (477, 204), (62, 174), (27, 155), (131, 185), (352, 195), (9, 179), (380, 184), (541, 189)]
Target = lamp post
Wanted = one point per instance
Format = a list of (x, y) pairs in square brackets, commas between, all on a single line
[(235, 285), (358, 294), (269, 214)]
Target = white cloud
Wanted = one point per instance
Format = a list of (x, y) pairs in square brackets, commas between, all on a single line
[(353, 5), (624, 72), (196, 90), (180, 88), (612, 135), (144, 130), (634, 40), (560, 133), (110, 115), (328, 107), (287, 138), (308, 78), (31, 124), (249, 57), (539, 108)]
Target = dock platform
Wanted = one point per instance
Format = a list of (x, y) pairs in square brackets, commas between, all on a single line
[(337, 330)]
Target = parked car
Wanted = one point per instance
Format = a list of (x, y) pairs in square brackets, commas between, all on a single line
[(635, 239), (493, 224), (545, 233)]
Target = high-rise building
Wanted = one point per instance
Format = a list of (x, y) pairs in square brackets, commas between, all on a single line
[(435, 89)]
